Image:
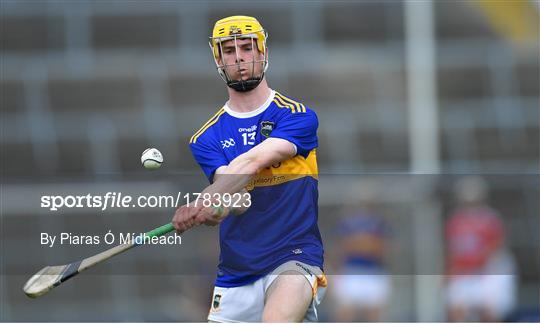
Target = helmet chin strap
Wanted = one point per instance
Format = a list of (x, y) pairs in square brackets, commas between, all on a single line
[(244, 85)]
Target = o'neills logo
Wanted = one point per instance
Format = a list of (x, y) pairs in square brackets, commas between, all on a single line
[(249, 129), (266, 128)]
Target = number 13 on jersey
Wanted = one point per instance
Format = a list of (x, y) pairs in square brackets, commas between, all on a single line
[(249, 138)]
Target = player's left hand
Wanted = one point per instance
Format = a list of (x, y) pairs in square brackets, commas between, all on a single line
[(211, 216), (188, 216), (185, 217)]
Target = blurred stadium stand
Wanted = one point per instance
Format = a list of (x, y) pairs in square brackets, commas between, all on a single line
[(86, 86)]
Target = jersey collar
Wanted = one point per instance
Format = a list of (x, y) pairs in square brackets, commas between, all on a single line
[(253, 113)]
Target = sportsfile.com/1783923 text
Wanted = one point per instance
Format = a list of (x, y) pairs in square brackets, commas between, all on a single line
[(119, 200)]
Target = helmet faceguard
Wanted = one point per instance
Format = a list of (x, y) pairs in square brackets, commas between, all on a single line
[(233, 29)]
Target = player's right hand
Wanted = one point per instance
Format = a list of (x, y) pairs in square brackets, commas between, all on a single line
[(185, 217)]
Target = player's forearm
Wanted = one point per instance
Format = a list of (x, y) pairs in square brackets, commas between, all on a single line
[(236, 176), (243, 168), (230, 181)]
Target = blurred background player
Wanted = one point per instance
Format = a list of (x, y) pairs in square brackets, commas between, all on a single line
[(481, 283), (362, 288), (271, 253)]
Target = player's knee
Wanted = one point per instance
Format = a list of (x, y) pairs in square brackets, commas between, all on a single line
[(288, 299), (279, 316)]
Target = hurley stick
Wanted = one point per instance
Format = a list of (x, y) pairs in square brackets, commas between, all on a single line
[(52, 276)]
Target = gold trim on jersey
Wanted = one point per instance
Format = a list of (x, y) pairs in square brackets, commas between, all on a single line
[(206, 125), (299, 106), (294, 168), (281, 104)]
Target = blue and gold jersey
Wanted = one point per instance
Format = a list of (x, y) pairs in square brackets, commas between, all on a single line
[(281, 224)]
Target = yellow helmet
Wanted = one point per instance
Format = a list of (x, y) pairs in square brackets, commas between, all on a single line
[(240, 27), (233, 28)]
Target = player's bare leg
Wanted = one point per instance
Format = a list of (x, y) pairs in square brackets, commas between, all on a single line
[(351, 313), (457, 314), (288, 298), (373, 314), (488, 315), (346, 313)]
